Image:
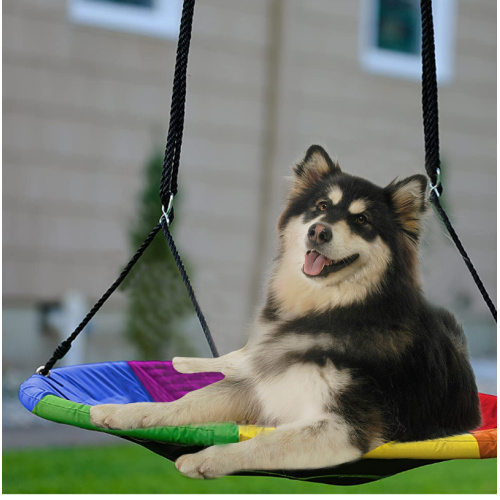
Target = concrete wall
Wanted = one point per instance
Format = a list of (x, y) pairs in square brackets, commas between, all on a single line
[(85, 106)]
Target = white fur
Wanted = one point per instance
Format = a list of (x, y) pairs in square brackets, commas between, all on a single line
[(312, 387), (357, 207), (292, 446), (335, 195)]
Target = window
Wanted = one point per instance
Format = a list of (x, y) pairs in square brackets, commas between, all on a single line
[(390, 38), (159, 18)]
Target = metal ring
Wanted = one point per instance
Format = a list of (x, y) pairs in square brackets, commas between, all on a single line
[(166, 213), (435, 187), (39, 371)]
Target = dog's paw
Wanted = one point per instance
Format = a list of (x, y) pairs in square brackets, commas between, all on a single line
[(187, 365), (206, 464), (106, 416), (115, 416), (181, 364)]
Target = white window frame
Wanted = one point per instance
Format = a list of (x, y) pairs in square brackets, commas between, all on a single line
[(409, 66), (161, 20)]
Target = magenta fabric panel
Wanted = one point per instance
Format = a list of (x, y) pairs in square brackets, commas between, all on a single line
[(164, 383)]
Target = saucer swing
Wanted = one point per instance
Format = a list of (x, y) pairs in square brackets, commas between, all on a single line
[(65, 395)]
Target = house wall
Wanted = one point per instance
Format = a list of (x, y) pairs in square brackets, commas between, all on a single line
[(84, 107)]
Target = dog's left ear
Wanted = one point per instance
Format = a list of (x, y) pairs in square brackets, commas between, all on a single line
[(409, 202), (315, 165)]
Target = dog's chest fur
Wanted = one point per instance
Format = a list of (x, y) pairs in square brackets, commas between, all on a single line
[(289, 388)]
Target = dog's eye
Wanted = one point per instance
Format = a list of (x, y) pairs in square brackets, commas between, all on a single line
[(361, 219), (322, 206)]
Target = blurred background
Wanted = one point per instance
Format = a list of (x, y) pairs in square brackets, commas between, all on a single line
[(86, 99)]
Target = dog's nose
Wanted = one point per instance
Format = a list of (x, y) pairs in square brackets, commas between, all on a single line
[(319, 234)]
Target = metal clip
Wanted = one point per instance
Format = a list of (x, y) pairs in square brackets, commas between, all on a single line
[(435, 187), (167, 212), (39, 371)]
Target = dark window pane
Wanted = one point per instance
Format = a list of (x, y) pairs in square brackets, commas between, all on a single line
[(399, 26), (135, 3)]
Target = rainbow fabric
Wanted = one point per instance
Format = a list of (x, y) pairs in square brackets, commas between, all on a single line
[(68, 393)]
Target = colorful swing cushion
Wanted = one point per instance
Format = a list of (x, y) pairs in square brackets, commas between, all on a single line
[(68, 393)]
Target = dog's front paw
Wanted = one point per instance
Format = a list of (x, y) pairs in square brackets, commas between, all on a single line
[(181, 364), (189, 365), (115, 416), (110, 416), (206, 464)]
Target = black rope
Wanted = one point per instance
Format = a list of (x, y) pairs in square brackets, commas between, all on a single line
[(431, 138), (430, 94), (168, 185), (463, 253), (62, 349), (168, 189), (187, 283)]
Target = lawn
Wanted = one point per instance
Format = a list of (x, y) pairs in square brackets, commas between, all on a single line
[(132, 469)]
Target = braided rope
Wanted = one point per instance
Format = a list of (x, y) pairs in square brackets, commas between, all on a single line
[(168, 184), (189, 288), (435, 200), (62, 349), (431, 138), (168, 189), (430, 94)]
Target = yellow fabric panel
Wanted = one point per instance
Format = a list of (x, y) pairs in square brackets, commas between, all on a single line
[(463, 446), (250, 431)]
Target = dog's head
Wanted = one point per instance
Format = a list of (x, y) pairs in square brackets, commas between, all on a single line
[(337, 228)]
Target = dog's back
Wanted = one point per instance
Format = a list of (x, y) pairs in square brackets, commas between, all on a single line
[(433, 390)]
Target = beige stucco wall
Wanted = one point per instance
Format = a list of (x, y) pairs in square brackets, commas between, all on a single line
[(84, 106)]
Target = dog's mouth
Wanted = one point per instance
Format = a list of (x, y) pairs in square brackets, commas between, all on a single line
[(316, 264)]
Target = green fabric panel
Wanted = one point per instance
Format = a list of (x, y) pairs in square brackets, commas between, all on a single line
[(225, 433), (68, 412), (64, 412)]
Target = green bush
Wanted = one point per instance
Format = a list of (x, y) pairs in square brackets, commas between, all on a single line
[(156, 293)]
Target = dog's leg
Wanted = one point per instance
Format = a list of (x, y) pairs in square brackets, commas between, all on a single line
[(317, 444), (218, 402), (197, 365)]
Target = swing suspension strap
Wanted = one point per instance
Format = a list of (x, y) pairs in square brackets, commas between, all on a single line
[(170, 171), (431, 139), (168, 184), (168, 190)]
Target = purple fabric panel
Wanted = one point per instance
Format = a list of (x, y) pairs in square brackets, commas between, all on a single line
[(164, 383)]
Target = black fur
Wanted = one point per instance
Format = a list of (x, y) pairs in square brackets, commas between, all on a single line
[(406, 367)]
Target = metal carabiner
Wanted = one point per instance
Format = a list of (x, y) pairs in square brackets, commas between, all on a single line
[(167, 212), (435, 187), (40, 369)]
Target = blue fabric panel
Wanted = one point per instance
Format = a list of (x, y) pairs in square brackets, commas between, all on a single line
[(98, 383)]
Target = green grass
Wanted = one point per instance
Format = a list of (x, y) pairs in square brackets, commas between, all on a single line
[(133, 469)]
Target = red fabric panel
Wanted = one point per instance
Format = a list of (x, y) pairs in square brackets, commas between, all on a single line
[(488, 411)]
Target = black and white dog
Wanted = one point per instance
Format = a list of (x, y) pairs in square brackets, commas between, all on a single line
[(346, 354)]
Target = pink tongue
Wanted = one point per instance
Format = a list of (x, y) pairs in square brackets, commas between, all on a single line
[(314, 263)]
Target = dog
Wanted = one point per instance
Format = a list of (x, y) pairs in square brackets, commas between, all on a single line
[(346, 353)]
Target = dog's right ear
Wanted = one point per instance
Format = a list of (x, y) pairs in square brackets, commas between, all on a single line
[(315, 165), (409, 203)]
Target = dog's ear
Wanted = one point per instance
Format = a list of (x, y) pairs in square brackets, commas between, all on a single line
[(315, 165), (409, 203)]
